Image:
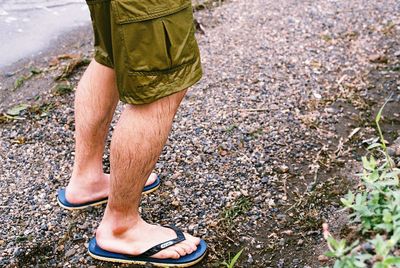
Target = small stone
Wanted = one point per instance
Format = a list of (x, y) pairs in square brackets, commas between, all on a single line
[(176, 203), (168, 183), (397, 151), (323, 258), (331, 110), (250, 259), (213, 223), (300, 242), (283, 168), (281, 263), (391, 151), (44, 227), (287, 232), (18, 252), (281, 217), (193, 227), (69, 253), (83, 226), (378, 58), (271, 203)]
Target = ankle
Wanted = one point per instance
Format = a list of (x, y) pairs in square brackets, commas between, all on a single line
[(88, 176), (118, 222)]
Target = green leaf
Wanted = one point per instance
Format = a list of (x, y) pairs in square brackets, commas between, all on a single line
[(14, 111), (374, 145), (35, 70), (235, 259), (379, 115), (330, 254), (366, 164), (333, 242), (19, 82), (372, 162), (349, 200), (387, 216), (391, 260), (379, 265)]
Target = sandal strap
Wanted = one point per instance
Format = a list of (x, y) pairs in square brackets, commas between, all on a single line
[(179, 238)]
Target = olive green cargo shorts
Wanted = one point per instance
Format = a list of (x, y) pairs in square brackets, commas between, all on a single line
[(149, 43)]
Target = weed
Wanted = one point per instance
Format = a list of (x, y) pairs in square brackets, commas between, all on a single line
[(63, 88), (230, 263), (241, 206), (21, 80), (17, 109), (231, 128), (375, 209), (326, 37)]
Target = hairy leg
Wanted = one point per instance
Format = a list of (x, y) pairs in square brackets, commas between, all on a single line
[(135, 147), (95, 101)]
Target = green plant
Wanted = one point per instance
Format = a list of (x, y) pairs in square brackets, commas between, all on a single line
[(239, 207), (231, 262), (375, 208)]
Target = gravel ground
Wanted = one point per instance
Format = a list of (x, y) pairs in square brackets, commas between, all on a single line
[(260, 149)]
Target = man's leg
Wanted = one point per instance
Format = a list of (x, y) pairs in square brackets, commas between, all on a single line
[(135, 147), (95, 101)]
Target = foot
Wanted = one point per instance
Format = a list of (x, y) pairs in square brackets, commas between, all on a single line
[(142, 236), (86, 191)]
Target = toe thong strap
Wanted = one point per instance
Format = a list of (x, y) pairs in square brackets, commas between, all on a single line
[(179, 238)]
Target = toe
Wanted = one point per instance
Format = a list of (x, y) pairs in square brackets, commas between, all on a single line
[(175, 255), (151, 179), (189, 248), (167, 254), (180, 249), (192, 239)]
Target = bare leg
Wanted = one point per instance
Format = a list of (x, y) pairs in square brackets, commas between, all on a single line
[(95, 102), (135, 147)]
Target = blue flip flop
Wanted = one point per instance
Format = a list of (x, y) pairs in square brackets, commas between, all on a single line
[(185, 261), (63, 202)]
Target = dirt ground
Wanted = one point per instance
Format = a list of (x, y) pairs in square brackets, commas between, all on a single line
[(261, 150)]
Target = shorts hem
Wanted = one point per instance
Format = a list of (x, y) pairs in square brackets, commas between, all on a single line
[(103, 61), (182, 85)]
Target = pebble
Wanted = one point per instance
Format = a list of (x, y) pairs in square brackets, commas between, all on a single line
[(168, 183), (250, 259), (70, 252), (283, 168), (323, 258), (176, 203), (378, 58)]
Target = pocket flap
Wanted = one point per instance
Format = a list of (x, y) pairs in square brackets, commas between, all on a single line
[(133, 11)]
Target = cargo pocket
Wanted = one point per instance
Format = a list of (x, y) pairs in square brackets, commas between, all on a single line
[(157, 35)]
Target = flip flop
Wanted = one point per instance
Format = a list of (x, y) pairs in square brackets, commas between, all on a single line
[(63, 202), (185, 261)]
